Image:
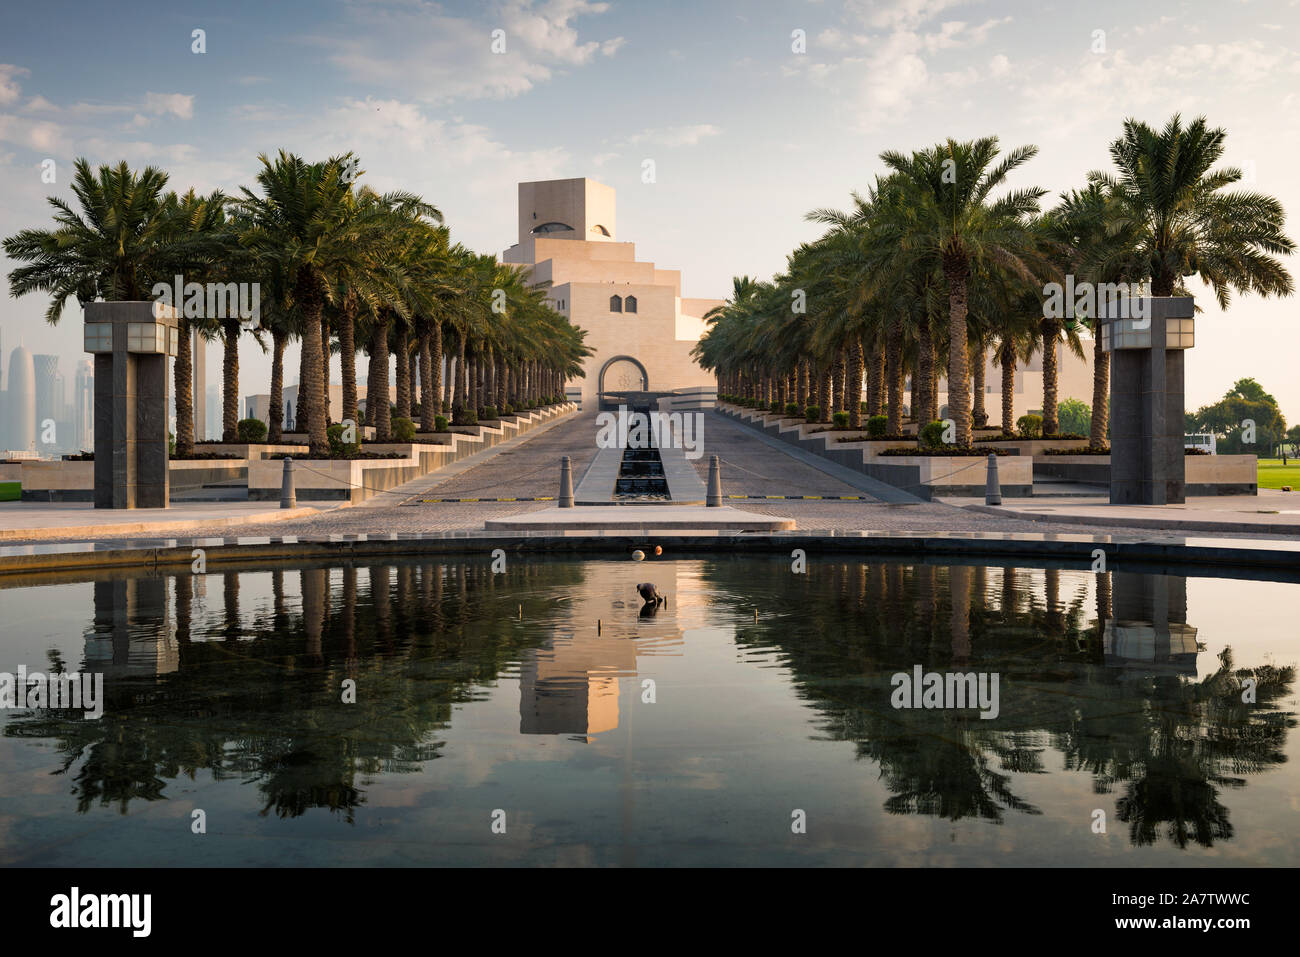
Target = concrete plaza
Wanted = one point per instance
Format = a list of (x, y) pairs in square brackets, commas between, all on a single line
[(528, 467)]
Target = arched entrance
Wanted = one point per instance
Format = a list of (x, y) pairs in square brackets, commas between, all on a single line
[(619, 376)]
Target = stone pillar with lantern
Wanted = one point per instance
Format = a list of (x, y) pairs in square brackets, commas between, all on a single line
[(1146, 339), (131, 342)]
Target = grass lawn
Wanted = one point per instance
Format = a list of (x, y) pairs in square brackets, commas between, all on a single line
[(10, 491), (1273, 474)]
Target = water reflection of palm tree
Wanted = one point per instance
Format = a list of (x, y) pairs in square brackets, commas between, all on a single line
[(1183, 742), (1170, 743), (267, 708)]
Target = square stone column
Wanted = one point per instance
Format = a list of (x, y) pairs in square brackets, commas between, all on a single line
[(1146, 397), (131, 342)]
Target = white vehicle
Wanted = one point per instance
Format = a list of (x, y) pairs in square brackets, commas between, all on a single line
[(1200, 440)]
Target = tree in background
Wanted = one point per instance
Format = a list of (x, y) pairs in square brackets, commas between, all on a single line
[(1074, 417), (1230, 420)]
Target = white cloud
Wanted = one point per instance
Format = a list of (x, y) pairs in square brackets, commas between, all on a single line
[(177, 104), (882, 75), (899, 14), (9, 88), (441, 57), (671, 136)]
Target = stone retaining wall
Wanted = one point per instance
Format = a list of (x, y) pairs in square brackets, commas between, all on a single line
[(355, 480)]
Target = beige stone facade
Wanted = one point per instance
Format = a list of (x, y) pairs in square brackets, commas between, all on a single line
[(640, 327)]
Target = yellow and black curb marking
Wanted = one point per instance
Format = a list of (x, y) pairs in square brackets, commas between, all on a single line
[(539, 498), (831, 498), (552, 498)]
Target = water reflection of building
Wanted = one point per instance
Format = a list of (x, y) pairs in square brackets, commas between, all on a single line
[(1148, 631), (573, 687), (132, 632)]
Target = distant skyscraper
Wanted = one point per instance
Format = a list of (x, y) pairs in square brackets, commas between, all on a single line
[(200, 385), (50, 399), (83, 411), (212, 418), (20, 402)]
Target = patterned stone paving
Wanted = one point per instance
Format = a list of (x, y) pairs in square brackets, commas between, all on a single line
[(531, 469)]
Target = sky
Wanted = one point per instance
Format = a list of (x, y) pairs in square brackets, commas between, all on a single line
[(753, 112)]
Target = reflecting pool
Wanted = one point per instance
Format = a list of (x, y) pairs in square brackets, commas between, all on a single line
[(437, 712)]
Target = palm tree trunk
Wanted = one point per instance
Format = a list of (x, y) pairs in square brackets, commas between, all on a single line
[(854, 399), (429, 386), (927, 396), (183, 373), (979, 416), (230, 381), (841, 398), (1100, 394), (312, 386), (915, 405), (415, 379), (462, 381), (275, 427), (435, 363), (303, 411), (377, 382), (875, 378), (955, 271), (403, 370), (1008, 362), (823, 394), (1051, 332), (894, 376), (325, 366), (348, 358)]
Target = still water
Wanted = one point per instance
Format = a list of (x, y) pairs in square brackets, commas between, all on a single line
[(494, 723)]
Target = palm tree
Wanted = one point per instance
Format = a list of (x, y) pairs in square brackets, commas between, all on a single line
[(1183, 223), (950, 217), (306, 224), (1088, 241), (200, 247), (115, 248)]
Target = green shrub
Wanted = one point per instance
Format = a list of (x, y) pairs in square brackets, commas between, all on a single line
[(337, 446), (171, 445), (1030, 426), (931, 435), (490, 412), (792, 408), (876, 426), (440, 424), (508, 410), (812, 413), (841, 420), (467, 417), (1074, 416), (402, 429), (251, 430)]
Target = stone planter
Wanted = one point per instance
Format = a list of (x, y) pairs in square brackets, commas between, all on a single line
[(1205, 474), (958, 476)]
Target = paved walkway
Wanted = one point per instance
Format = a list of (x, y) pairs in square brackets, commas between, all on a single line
[(529, 467), (78, 521), (1270, 512)]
